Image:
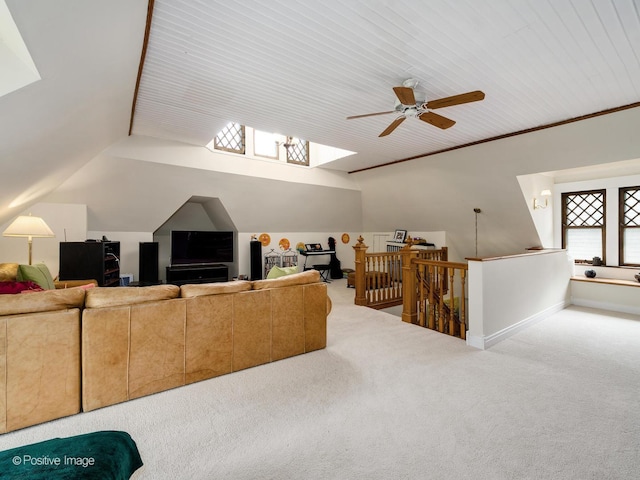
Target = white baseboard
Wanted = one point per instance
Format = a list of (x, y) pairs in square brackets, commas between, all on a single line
[(614, 307), (488, 341), (475, 341)]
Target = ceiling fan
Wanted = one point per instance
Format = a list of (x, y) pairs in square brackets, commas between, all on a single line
[(407, 106)]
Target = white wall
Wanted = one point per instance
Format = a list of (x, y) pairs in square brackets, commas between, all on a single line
[(179, 154), (531, 186), (344, 251), (66, 220), (138, 183), (439, 192), (69, 223), (132, 195), (510, 293)]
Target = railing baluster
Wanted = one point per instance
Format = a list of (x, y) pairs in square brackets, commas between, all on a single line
[(421, 295), (452, 303), (432, 296), (441, 289), (463, 305)]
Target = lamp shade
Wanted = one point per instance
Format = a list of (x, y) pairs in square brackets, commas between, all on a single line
[(28, 226)]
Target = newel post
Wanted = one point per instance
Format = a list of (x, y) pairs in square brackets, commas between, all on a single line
[(409, 287), (360, 249)]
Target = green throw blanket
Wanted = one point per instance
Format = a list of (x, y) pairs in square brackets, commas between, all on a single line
[(100, 455)]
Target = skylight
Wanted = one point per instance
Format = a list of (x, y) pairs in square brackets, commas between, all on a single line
[(18, 69), (265, 144), (274, 146)]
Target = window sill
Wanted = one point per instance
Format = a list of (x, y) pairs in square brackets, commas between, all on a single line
[(609, 281), (619, 267)]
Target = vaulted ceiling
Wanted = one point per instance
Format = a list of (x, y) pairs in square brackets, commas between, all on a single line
[(301, 68)]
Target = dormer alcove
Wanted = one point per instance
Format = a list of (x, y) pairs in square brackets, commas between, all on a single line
[(197, 213)]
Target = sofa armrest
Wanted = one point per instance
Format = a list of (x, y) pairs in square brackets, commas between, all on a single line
[(59, 284)]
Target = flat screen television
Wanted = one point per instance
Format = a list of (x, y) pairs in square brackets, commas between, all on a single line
[(196, 247)]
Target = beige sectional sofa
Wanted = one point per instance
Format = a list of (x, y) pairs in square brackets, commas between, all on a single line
[(39, 357), (108, 345)]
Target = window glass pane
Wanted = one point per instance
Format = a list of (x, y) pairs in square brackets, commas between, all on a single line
[(631, 246), (584, 243), (631, 208), (265, 144), (230, 138), (298, 152), (585, 209)]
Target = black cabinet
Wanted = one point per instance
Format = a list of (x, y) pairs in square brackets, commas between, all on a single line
[(99, 261), (197, 274)]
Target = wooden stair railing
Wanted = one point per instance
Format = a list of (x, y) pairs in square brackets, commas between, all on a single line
[(378, 276), (431, 290), (440, 299)]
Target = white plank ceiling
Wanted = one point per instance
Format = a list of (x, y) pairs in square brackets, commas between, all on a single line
[(301, 67)]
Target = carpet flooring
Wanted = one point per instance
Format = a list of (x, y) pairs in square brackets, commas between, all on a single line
[(388, 400)]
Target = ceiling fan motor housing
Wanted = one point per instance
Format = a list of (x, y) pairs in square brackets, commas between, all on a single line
[(408, 110), (411, 111)]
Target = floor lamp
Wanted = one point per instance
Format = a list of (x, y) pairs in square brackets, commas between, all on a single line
[(477, 211), (30, 227)]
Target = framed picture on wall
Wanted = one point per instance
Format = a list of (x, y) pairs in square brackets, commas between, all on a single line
[(400, 236)]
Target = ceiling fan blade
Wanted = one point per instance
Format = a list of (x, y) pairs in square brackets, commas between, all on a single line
[(437, 120), (392, 127), (456, 100), (369, 115), (405, 95)]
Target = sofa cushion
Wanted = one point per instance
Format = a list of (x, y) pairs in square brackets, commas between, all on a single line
[(36, 273), (277, 272), (199, 289), (308, 276), (45, 301), (8, 272), (101, 297)]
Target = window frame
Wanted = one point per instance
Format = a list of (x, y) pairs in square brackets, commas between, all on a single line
[(603, 228), (622, 227), (232, 150), (293, 161)]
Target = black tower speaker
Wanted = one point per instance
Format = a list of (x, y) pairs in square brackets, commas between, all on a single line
[(256, 260), (148, 267)]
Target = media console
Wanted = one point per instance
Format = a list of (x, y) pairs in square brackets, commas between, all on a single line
[(179, 275)]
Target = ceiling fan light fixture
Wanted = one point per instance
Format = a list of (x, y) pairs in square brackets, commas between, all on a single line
[(288, 143), (410, 83)]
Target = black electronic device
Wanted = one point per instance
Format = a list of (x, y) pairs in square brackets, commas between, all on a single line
[(197, 247), (180, 275), (256, 259), (148, 263), (99, 261), (313, 247)]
